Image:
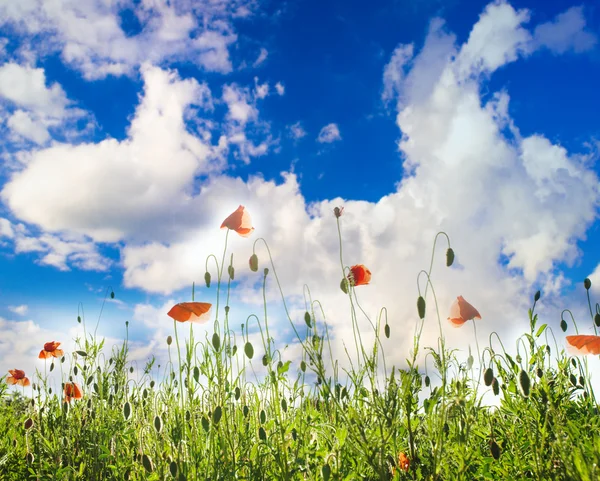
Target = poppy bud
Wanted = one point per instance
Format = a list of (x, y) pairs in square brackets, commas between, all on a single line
[(28, 423), (427, 381), (231, 271), (495, 386), (421, 307), (495, 450), (217, 414), (488, 376), (449, 257), (524, 382), (344, 285), (386, 329), (537, 296), (266, 271), (173, 468), (563, 325), (249, 350), (597, 319), (587, 283), (302, 366), (147, 463), (169, 340), (253, 263), (216, 341), (205, 424), (307, 318), (207, 278), (337, 211)]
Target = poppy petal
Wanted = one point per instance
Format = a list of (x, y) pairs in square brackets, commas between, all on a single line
[(197, 312), (583, 344)]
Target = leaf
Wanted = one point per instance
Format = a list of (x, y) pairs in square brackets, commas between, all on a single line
[(541, 330)]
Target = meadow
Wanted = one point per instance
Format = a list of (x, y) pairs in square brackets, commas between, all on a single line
[(204, 415)]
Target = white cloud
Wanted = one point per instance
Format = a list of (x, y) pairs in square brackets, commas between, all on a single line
[(23, 124), (393, 73), (566, 32), (280, 88), (262, 56), (21, 310), (90, 37), (296, 131), (260, 90), (328, 134), (239, 104)]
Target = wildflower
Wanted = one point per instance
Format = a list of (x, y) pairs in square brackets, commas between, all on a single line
[(461, 312), (239, 221), (403, 462), (583, 344), (197, 312), (17, 377), (338, 211), (51, 350), (72, 391), (359, 275)]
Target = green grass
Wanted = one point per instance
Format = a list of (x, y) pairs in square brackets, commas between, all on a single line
[(211, 419)]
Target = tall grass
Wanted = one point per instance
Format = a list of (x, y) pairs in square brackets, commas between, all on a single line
[(201, 416)]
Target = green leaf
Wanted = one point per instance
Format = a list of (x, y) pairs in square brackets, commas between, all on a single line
[(541, 330)]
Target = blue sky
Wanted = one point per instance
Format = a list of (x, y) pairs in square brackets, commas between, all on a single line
[(128, 132)]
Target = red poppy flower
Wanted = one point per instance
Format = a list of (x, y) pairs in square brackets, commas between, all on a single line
[(403, 462), (51, 350), (239, 221), (197, 312), (360, 275), (461, 312), (17, 377), (583, 344), (72, 391)]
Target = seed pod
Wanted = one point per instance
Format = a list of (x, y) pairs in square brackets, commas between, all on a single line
[(253, 263), (524, 382), (495, 450), (421, 307), (488, 376), (449, 257), (207, 278)]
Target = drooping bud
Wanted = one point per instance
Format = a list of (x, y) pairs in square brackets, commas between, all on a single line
[(207, 278), (563, 325), (253, 263), (524, 382), (307, 319), (597, 320), (488, 376), (169, 340), (231, 272), (344, 285), (495, 450), (449, 256), (421, 307)]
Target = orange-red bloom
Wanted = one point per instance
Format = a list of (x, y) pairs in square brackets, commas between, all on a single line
[(461, 312), (359, 275), (51, 350), (583, 344), (17, 377), (72, 391), (403, 462), (198, 312), (239, 221)]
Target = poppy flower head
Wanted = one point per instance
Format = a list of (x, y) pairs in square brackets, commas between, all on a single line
[(197, 312), (239, 221), (359, 275), (461, 312), (17, 376), (51, 350), (72, 391), (583, 344), (403, 462)]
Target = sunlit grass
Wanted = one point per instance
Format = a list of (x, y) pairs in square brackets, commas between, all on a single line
[(204, 415)]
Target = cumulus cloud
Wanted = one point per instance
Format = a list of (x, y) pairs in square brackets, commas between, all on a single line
[(514, 206), (328, 134), (90, 36), (296, 131), (567, 32), (262, 56)]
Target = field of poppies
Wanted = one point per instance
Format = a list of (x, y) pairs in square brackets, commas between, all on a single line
[(204, 416)]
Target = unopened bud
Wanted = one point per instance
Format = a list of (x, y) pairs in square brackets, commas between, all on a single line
[(253, 263)]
